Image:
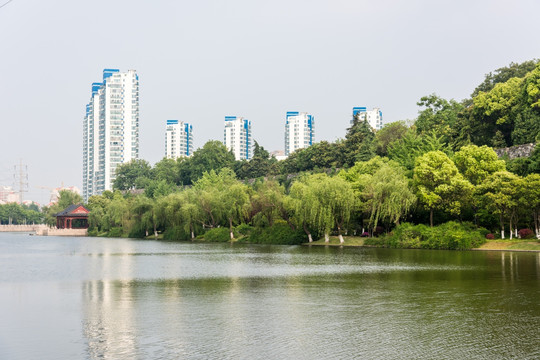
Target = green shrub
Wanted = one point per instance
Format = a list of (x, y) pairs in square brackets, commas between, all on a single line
[(448, 236), (221, 234), (244, 229), (176, 233), (115, 232), (93, 232), (279, 234)]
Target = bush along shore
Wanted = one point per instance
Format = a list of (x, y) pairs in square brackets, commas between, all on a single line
[(432, 183)]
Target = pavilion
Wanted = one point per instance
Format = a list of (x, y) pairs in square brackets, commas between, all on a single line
[(73, 217)]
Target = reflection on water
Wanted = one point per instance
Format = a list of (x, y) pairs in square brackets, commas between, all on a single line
[(71, 298)]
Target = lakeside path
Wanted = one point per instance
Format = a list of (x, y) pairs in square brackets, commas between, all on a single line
[(491, 245)]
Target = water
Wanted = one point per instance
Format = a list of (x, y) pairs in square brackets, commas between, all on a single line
[(93, 298)]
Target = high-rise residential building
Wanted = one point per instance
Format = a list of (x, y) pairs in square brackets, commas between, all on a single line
[(178, 139), (299, 131), (374, 117), (237, 137), (110, 129)]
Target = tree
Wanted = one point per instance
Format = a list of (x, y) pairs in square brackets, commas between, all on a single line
[(222, 198), (476, 163), (388, 134), (438, 117), (531, 199), (323, 203), (128, 173), (167, 170), (391, 197), (406, 150), (359, 141), (500, 194), (259, 165), (504, 74), (439, 184), (212, 156)]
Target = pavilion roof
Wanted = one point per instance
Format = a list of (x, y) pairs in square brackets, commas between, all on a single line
[(74, 211)]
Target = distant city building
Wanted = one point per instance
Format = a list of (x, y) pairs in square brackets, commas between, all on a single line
[(237, 137), (110, 129), (178, 139), (374, 117), (55, 193), (299, 131), (278, 154), (8, 195)]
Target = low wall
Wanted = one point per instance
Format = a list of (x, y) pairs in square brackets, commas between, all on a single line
[(22, 228), (62, 232), (43, 230)]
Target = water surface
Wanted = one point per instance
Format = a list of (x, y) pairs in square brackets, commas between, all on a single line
[(94, 298)]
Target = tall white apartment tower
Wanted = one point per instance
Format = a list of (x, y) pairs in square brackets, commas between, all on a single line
[(178, 139), (237, 137), (299, 131), (110, 129), (374, 117)]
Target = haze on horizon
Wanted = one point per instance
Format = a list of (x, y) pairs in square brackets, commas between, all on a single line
[(199, 61)]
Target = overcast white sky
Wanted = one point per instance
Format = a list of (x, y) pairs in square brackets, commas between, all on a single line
[(201, 60)]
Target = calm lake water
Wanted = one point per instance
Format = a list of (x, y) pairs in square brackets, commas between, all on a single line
[(94, 298)]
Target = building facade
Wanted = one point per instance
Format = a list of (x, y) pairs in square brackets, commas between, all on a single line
[(374, 117), (299, 131), (178, 139), (237, 137), (110, 129)]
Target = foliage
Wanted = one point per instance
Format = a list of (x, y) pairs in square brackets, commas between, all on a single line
[(279, 234), (439, 117), (504, 74), (526, 234), (20, 214), (212, 156), (217, 235), (448, 236), (477, 163), (439, 184), (388, 134), (128, 173)]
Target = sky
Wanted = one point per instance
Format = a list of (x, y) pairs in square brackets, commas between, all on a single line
[(199, 61)]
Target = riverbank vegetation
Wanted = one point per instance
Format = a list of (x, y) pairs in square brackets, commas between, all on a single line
[(433, 183)]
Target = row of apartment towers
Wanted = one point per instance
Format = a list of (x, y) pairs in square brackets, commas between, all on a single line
[(111, 131)]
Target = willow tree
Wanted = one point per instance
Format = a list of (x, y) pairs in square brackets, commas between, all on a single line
[(391, 196), (323, 203), (337, 201), (222, 198), (301, 201), (439, 184)]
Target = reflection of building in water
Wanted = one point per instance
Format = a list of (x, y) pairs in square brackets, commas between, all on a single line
[(108, 309)]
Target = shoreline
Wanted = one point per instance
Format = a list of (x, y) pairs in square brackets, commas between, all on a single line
[(490, 245)]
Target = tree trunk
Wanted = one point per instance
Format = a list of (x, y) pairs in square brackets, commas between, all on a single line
[(231, 229), (310, 238), (192, 232), (511, 230), (341, 241), (502, 226), (431, 217), (326, 238)]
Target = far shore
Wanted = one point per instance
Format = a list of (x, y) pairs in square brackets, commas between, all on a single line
[(529, 245)]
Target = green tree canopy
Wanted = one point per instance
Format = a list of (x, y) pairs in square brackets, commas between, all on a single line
[(439, 184), (128, 173)]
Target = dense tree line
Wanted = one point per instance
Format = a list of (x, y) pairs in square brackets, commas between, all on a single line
[(439, 168), (16, 214)]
